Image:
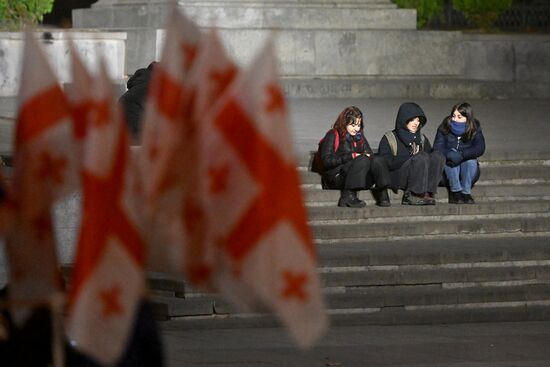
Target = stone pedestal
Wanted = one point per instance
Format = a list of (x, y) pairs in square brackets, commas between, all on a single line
[(343, 48), (110, 45), (244, 20)]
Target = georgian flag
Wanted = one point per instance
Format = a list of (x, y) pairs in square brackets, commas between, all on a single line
[(254, 207), (108, 280)]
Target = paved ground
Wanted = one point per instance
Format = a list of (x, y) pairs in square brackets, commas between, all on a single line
[(524, 344), (509, 126)]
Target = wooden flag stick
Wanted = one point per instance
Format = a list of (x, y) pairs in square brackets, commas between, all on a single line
[(57, 304)]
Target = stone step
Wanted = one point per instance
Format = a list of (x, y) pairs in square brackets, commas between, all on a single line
[(419, 255), (316, 196), (396, 261), (405, 282), (319, 17), (417, 86), (489, 161), (375, 299), (440, 228), (246, 15), (430, 295), (374, 214), (437, 314), (282, 3), (538, 170), (468, 249), (458, 275), (351, 280)]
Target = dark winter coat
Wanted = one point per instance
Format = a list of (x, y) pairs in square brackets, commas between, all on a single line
[(406, 112), (470, 149), (404, 138), (133, 101), (348, 147)]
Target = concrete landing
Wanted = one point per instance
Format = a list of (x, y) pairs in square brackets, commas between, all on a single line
[(523, 344)]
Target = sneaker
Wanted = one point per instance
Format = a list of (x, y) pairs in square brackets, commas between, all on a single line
[(412, 199), (381, 196), (468, 199), (405, 198), (456, 198), (429, 198)]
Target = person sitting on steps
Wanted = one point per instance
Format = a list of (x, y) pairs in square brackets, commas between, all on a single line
[(134, 99), (414, 167), (349, 163), (460, 139)]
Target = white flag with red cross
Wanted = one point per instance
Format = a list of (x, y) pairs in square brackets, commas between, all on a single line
[(211, 74), (166, 107), (255, 210), (167, 157), (108, 280), (45, 164), (45, 169)]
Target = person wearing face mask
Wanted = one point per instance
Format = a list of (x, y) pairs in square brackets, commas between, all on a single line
[(414, 167), (460, 139), (349, 163)]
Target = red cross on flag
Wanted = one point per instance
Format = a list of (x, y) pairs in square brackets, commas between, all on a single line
[(80, 96), (166, 156), (255, 207), (167, 106), (108, 281), (45, 164), (45, 169), (211, 74)]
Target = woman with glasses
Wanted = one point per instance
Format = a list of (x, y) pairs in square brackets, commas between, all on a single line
[(349, 163)]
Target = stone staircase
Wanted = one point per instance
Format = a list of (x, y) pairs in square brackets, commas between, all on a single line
[(403, 265)]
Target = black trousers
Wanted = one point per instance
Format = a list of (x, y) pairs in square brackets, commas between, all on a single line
[(363, 172), (422, 172)]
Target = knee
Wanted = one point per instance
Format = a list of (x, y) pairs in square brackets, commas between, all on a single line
[(437, 156), (363, 161), (421, 158), (378, 162)]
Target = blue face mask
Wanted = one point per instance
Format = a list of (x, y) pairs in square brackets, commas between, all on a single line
[(458, 128)]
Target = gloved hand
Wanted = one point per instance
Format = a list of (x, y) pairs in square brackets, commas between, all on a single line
[(454, 158)]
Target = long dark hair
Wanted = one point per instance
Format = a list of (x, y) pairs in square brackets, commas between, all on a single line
[(465, 110), (346, 117)]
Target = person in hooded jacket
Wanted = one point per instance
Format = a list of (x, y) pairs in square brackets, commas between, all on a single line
[(350, 164), (414, 167), (133, 100), (460, 139)]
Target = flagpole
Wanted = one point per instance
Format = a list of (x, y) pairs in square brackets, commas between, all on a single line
[(57, 302)]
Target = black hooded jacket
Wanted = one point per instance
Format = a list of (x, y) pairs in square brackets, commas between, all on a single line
[(133, 101), (404, 138)]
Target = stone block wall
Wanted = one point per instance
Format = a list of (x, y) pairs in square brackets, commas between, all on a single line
[(111, 46)]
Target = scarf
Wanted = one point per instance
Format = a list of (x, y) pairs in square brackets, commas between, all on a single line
[(408, 138), (458, 128)]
